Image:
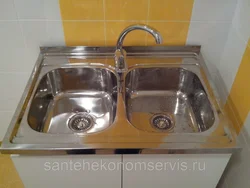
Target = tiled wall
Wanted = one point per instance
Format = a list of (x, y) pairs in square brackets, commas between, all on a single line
[(24, 26), (235, 70), (99, 22)]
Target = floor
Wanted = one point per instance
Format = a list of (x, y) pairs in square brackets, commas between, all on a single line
[(9, 177)]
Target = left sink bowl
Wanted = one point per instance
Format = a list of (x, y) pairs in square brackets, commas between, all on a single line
[(74, 100)]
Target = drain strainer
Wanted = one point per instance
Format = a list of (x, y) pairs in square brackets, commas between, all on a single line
[(81, 122), (162, 122)]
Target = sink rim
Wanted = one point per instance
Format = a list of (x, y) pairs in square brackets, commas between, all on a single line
[(27, 144)]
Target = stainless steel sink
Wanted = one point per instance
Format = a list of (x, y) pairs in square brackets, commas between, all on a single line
[(77, 101), (74, 100), (168, 99), (115, 99)]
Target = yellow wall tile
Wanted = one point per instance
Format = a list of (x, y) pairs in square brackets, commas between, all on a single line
[(82, 9), (113, 30), (97, 33), (238, 103), (173, 33), (171, 10), (126, 9), (84, 33)]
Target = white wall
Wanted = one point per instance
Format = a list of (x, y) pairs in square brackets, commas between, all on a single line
[(210, 24), (24, 26), (238, 171), (236, 44)]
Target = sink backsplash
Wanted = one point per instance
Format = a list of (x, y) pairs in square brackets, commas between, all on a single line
[(99, 22)]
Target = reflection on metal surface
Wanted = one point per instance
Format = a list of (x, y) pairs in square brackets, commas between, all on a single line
[(162, 122), (119, 122), (173, 91), (64, 92), (81, 122)]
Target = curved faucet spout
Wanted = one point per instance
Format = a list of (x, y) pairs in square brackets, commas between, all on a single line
[(120, 62), (120, 54), (152, 31)]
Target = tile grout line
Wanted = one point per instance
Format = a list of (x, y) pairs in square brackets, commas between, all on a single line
[(61, 21), (147, 21), (190, 22), (21, 28), (104, 16)]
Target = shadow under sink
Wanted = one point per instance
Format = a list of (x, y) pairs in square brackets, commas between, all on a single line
[(74, 100), (167, 99)]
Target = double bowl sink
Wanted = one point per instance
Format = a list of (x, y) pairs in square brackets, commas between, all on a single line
[(76, 100), (84, 100)]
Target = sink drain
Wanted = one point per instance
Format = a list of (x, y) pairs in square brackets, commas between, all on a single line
[(162, 122), (81, 122)]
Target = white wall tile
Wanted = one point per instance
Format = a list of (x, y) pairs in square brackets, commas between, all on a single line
[(42, 33), (231, 58), (241, 19), (12, 86), (38, 9), (237, 173), (14, 55), (7, 10), (211, 10), (212, 37), (5, 118)]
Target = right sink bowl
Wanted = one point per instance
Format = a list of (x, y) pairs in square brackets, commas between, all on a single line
[(167, 99)]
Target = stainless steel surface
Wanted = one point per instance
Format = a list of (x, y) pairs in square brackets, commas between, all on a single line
[(150, 30), (61, 78), (170, 91), (80, 122), (120, 53), (64, 92), (162, 122)]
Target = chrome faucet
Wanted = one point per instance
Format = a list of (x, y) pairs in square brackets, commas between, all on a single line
[(120, 53)]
